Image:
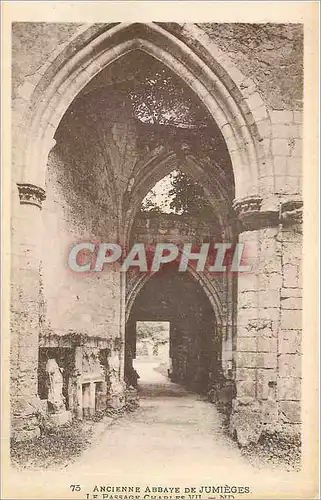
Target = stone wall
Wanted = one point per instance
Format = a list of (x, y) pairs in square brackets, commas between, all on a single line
[(270, 54), (172, 228)]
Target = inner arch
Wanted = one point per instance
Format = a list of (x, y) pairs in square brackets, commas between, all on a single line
[(195, 344)]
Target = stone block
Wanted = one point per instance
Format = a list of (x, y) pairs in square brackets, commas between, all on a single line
[(279, 116), (289, 388), (255, 102), (287, 131), (291, 319), (266, 360), (291, 292), (289, 365), (247, 282), (247, 299), (246, 360), (290, 411), (296, 148), (292, 303), (290, 276), (246, 388), (265, 377), (243, 331), (272, 281), (247, 344), (280, 147), (290, 341), (245, 316), (246, 420), (280, 165), (269, 298), (266, 344), (264, 127), (269, 414), (270, 313), (58, 419), (298, 116), (286, 184), (246, 374), (292, 251), (294, 165), (270, 264)]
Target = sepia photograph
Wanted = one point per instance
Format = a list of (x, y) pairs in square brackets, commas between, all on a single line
[(155, 206)]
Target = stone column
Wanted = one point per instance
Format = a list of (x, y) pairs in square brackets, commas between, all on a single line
[(260, 322), (289, 344), (92, 398), (25, 311)]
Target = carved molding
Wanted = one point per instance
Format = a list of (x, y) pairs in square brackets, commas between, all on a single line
[(247, 206), (291, 215), (30, 194), (251, 217)]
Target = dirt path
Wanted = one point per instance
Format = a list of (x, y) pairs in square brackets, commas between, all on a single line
[(175, 436), (175, 439)]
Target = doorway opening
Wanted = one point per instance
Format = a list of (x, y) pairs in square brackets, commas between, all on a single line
[(152, 360)]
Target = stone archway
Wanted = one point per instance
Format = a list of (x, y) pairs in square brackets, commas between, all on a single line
[(60, 82), (195, 334), (236, 106)]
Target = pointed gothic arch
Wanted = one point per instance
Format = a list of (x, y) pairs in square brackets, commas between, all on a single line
[(56, 86)]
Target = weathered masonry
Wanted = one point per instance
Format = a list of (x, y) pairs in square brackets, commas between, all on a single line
[(82, 163)]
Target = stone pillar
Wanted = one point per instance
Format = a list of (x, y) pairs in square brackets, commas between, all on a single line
[(92, 398), (25, 311), (226, 328), (260, 324), (289, 344)]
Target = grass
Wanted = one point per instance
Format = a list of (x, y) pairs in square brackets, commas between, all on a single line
[(275, 450), (57, 447)]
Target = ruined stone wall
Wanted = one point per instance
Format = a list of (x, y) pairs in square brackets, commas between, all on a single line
[(48, 38), (172, 228), (265, 85), (270, 54), (268, 343), (87, 175), (75, 302)]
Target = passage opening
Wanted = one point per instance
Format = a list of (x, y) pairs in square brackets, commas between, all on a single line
[(152, 350)]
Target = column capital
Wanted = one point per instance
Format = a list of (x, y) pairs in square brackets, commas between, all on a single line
[(291, 214), (253, 213), (251, 216), (31, 194)]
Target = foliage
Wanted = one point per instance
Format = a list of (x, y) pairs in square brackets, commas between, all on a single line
[(150, 205), (156, 331), (188, 197), (172, 114), (158, 96), (53, 448), (275, 449)]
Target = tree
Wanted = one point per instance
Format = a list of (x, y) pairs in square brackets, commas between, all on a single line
[(149, 204), (188, 197), (156, 331)]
